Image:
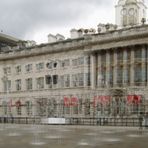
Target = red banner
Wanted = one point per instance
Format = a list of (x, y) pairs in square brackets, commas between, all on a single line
[(133, 99), (104, 100), (18, 103), (73, 101)]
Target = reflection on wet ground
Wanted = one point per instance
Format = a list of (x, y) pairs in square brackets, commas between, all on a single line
[(47, 136)]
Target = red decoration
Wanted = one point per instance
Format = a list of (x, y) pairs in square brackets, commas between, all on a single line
[(18, 103), (73, 101), (66, 101), (104, 100), (133, 99)]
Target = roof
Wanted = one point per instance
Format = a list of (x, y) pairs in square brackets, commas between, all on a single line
[(8, 40)]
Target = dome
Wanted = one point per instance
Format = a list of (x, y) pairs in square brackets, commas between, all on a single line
[(130, 1)]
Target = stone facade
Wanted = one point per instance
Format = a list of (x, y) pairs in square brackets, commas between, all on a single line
[(96, 75), (90, 75)]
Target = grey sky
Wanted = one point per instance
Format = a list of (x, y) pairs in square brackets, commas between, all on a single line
[(35, 19)]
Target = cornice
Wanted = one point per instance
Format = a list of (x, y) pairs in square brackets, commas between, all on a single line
[(89, 43)]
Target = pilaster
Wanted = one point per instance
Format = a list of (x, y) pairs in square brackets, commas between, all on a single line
[(115, 69), (107, 69), (132, 68), (143, 66), (93, 70)]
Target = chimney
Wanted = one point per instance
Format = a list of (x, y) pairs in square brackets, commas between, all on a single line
[(60, 37), (74, 33), (51, 38)]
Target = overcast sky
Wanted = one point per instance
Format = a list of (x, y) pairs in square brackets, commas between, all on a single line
[(35, 19)]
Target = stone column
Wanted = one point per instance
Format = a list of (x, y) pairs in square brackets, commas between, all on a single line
[(115, 69), (107, 68), (124, 80), (143, 66), (132, 68), (93, 70), (99, 75)]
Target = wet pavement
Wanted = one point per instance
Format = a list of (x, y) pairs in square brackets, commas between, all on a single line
[(47, 136)]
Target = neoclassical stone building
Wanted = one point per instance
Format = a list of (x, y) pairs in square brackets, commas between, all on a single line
[(90, 75)]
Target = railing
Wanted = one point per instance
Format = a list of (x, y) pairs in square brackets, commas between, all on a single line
[(104, 121), (20, 120), (133, 122)]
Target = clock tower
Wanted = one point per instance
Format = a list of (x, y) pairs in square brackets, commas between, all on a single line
[(130, 12)]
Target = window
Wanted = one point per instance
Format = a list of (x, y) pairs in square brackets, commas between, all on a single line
[(74, 62), (81, 61), (49, 65), (74, 80), (55, 64), (78, 79), (18, 107), (29, 84), (65, 63), (87, 79), (138, 74), (4, 106), (87, 60), (7, 70), (28, 68), (28, 107), (67, 80), (138, 54), (62, 81), (40, 83), (119, 74), (18, 84), (7, 85), (18, 69), (48, 79), (81, 79), (40, 66), (55, 79)]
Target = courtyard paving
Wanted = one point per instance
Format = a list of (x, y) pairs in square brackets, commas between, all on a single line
[(48, 136)]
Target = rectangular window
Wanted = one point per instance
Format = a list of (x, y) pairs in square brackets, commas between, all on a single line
[(74, 80), (7, 85), (62, 81), (28, 68), (87, 79), (7, 70), (29, 84), (67, 80), (40, 83), (65, 63), (18, 69), (138, 54), (49, 65), (87, 60), (75, 62), (55, 79), (18, 84), (48, 79), (81, 61), (81, 79), (40, 66)]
